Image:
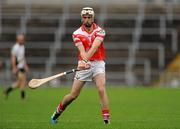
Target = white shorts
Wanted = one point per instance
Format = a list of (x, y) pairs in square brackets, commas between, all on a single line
[(97, 67)]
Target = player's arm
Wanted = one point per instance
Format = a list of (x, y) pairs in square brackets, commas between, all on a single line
[(95, 45), (13, 64), (13, 60), (83, 64), (26, 66), (87, 55), (97, 42)]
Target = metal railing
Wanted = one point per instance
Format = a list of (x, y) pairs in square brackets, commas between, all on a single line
[(58, 39), (103, 12), (129, 78)]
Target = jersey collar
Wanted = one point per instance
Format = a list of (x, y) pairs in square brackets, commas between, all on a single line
[(84, 28)]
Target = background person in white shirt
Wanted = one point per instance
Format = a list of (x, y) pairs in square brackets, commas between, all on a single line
[(19, 66)]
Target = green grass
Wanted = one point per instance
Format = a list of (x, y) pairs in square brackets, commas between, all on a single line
[(131, 108)]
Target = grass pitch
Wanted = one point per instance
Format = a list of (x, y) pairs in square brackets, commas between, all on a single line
[(131, 108)]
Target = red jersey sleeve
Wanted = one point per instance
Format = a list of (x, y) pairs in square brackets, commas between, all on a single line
[(76, 40), (101, 34)]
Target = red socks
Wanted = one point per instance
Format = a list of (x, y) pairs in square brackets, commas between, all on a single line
[(105, 114), (60, 108)]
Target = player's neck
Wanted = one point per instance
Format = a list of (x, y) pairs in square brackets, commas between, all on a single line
[(89, 29)]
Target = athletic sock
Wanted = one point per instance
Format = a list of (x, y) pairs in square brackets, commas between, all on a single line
[(60, 108), (8, 90), (105, 115), (58, 111), (22, 94)]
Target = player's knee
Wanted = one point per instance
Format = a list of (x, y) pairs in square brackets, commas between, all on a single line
[(101, 90)]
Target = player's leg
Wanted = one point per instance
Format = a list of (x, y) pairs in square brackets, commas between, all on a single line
[(11, 88), (99, 79), (22, 83), (67, 99)]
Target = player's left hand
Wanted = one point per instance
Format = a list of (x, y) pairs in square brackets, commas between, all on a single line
[(82, 65), (88, 65)]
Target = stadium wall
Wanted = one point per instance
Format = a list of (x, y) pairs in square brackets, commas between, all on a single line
[(80, 2)]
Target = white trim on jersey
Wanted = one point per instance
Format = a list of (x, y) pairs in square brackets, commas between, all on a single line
[(99, 30)]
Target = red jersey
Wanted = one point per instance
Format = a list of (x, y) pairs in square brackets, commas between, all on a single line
[(82, 37)]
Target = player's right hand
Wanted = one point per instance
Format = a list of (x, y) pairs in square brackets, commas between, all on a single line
[(82, 65), (14, 70)]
